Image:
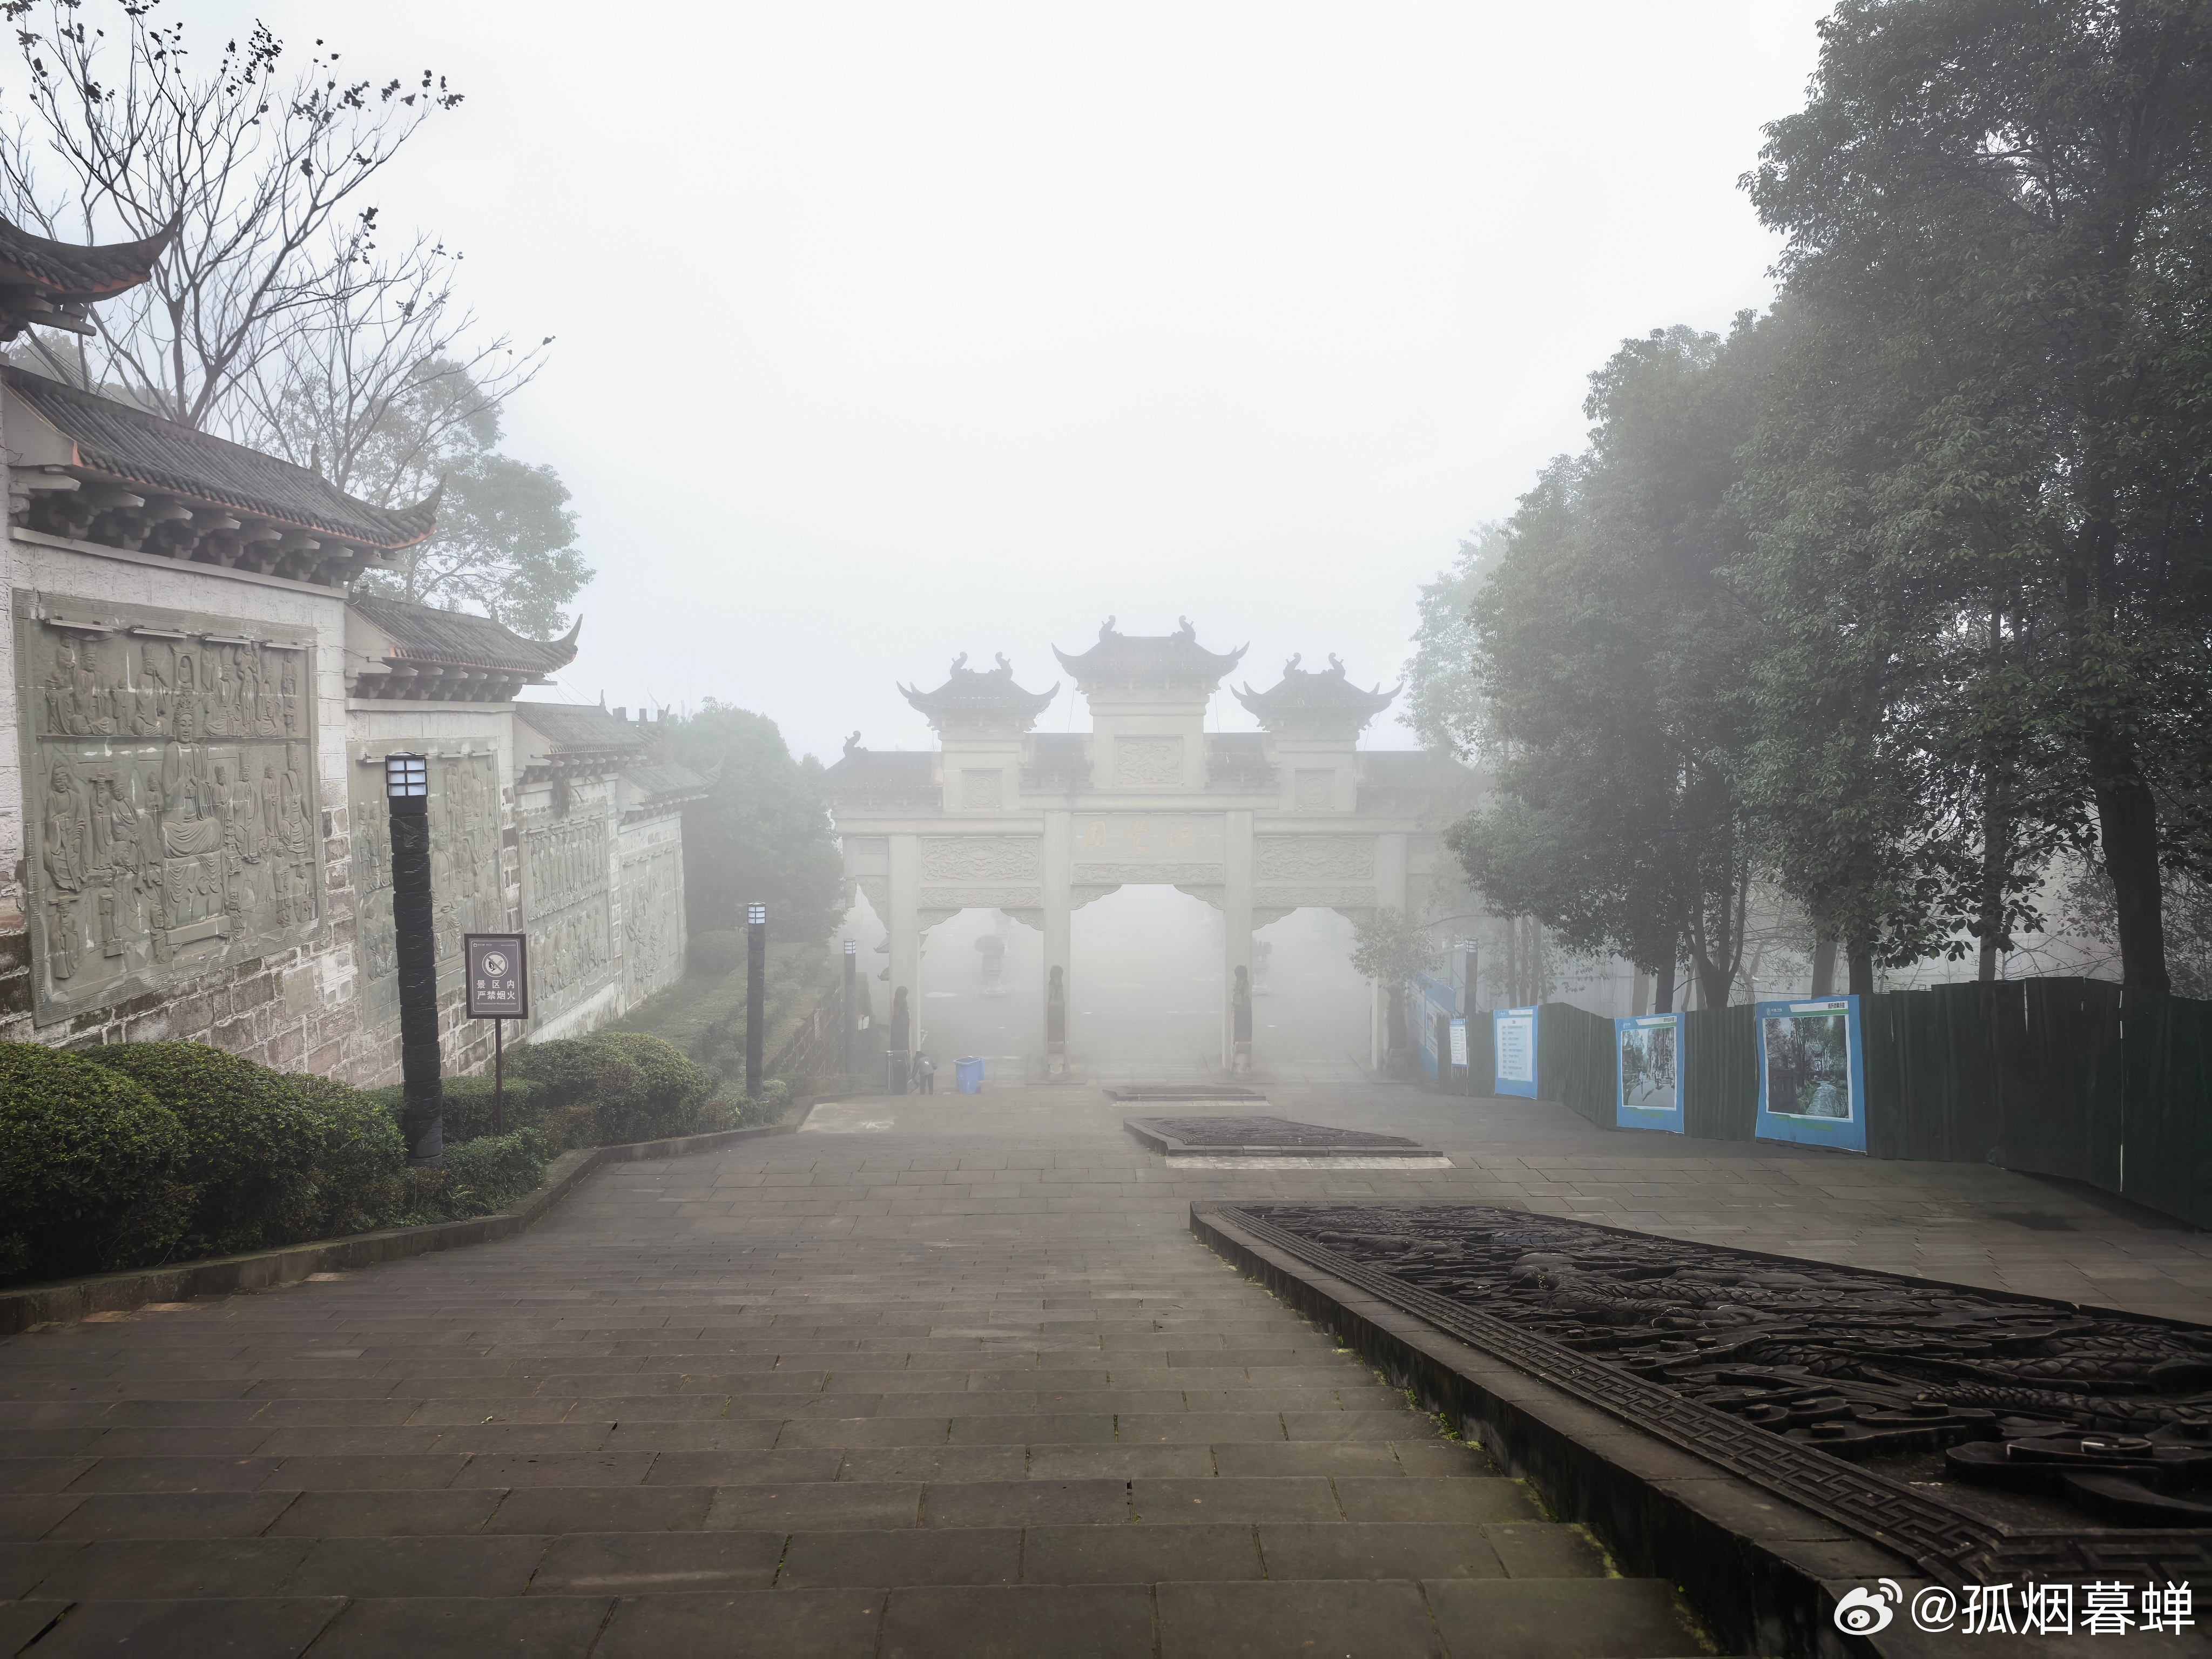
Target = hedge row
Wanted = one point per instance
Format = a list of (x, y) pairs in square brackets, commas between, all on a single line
[(139, 1153)]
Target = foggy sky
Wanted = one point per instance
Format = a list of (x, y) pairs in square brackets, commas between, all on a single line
[(890, 331)]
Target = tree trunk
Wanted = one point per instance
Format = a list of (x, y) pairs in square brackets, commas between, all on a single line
[(1996, 852), (1824, 967), (1714, 983), (2127, 825), (1862, 971), (1662, 988)]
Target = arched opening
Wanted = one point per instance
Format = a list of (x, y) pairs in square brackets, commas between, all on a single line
[(1147, 994), (1308, 1005), (983, 993)]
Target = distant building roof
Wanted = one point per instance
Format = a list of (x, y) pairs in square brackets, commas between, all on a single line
[(1153, 659), (881, 768), (581, 730), (662, 785), (104, 441), (1323, 698), (972, 697), (424, 633)]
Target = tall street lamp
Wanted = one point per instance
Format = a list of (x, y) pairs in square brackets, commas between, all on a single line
[(845, 1024), (755, 992), (422, 1116)]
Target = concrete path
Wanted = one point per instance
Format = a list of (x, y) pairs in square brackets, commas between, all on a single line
[(942, 1375)]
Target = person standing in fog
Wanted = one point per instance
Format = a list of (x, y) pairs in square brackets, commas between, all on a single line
[(925, 1073)]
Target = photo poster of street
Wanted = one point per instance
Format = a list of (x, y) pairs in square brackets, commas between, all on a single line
[(1513, 1033), (1811, 1073), (1649, 1050)]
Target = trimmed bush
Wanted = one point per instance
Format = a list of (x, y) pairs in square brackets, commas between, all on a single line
[(468, 1106), (577, 1078), (493, 1172), (717, 953), (360, 1163), (670, 1092), (88, 1162), (251, 1146)]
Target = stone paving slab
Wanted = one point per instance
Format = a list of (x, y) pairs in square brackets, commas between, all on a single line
[(964, 1384)]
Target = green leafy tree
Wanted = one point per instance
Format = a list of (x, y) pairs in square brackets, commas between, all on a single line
[(762, 834), (1612, 664), (1443, 703), (2003, 202), (1390, 946)]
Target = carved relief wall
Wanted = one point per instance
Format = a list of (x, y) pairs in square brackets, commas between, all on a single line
[(980, 858), (567, 906), (170, 799), (465, 867), (1147, 762), (653, 919), (1313, 857)]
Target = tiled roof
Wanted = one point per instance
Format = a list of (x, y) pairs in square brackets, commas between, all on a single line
[(872, 768), (973, 694), (129, 446), (1326, 697), (664, 782), (1176, 658), (424, 633), (68, 271), (579, 728)]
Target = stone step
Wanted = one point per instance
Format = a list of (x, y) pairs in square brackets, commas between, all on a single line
[(1451, 1618)]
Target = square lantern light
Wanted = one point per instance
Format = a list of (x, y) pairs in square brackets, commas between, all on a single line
[(406, 775), (756, 915), (852, 949)]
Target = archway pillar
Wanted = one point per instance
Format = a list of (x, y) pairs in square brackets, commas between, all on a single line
[(1057, 870), (1236, 941), (904, 925)]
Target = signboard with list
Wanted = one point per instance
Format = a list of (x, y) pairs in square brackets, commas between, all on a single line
[(498, 971)]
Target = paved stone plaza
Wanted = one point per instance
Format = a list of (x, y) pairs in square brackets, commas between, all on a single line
[(934, 1376)]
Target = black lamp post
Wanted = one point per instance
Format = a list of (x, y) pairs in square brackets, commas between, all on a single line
[(423, 1117), (845, 1025), (755, 992), (1467, 985)]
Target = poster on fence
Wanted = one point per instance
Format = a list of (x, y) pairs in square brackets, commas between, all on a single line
[(1648, 1050), (1459, 1044), (1513, 1036), (1811, 1073)]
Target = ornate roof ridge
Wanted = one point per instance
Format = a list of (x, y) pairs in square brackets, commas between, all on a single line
[(1316, 694), (1158, 658), (979, 693)]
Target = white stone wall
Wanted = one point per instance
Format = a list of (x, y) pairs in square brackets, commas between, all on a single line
[(651, 899)]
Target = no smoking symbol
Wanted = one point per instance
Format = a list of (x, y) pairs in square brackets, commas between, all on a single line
[(495, 962)]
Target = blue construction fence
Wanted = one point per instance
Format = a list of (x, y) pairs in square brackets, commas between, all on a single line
[(2076, 1078)]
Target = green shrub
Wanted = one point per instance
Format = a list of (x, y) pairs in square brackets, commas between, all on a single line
[(720, 952), (89, 1162), (669, 1093), (576, 1080), (468, 1106), (251, 1143), (493, 1172), (360, 1163)]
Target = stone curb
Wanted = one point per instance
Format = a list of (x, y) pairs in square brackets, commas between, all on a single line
[(1764, 1573), (71, 1299)]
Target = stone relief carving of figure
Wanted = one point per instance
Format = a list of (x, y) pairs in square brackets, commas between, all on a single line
[(149, 698), (58, 687), (215, 705), (64, 854), (288, 693), (187, 715), (293, 808), (94, 709), (272, 813), (268, 708)]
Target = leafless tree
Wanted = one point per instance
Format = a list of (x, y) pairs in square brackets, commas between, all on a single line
[(274, 317)]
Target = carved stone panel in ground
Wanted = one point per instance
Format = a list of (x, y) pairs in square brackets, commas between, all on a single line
[(169, 775)]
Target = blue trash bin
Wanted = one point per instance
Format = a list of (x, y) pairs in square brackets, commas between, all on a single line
[(968, 1074)]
